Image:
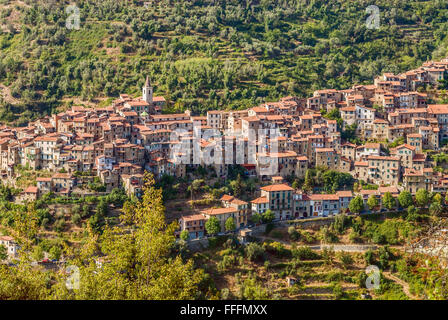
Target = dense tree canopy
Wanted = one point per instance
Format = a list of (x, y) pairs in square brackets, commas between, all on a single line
[(206, 54)]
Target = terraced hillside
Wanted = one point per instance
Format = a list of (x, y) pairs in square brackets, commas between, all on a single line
[(204, 54)]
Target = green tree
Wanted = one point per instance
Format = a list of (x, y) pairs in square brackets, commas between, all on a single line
[(372, 202), (230, 224), (389, 201), (356, 205), (422, 197), (213, 226), (38, 253), (405, 199), (438, 198), (412, 213), (384, 256), (327, 235), (237, 186), (435, 208), (102, 208), (195, 187), (308, 184), (295, 185), (268, 216), (334, 180), (55, 252), (184, 235), (341, 223), (256, 218), (369, 257), (255, 252), (147, 256), (3, 252)]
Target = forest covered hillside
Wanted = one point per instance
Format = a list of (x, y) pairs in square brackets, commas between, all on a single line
[(204, 54)]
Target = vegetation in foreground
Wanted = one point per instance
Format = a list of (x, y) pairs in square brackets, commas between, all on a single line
[(127, 260)]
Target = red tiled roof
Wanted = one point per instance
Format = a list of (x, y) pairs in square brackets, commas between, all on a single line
[(260, 200), (277, 187)]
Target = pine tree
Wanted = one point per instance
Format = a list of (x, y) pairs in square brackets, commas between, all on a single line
[(308, 184)]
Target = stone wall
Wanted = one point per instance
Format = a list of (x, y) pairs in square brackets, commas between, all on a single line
[(307, 223)]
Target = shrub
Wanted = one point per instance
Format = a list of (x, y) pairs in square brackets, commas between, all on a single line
[(337, 291), (85, 211), (346, 259), (55, 252), (278, 249), (76, 218), (226, 262), (269, 228), (215, 242), (307, 237), (328, 255), (59, 225), (304, 253), (354, 237), (369, 257), (293, 234), (76, 209), (276, 234), (225, 294), (296, 288), (327, 235), (184, 235), (255, 252), (341, 222), (45, 222)]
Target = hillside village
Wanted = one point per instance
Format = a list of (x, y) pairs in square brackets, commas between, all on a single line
[(118, 143)]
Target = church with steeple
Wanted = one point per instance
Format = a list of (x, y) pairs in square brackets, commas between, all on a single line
[(143, 106), (147, 91)]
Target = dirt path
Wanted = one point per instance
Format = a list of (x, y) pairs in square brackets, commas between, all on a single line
[(402, 283)]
